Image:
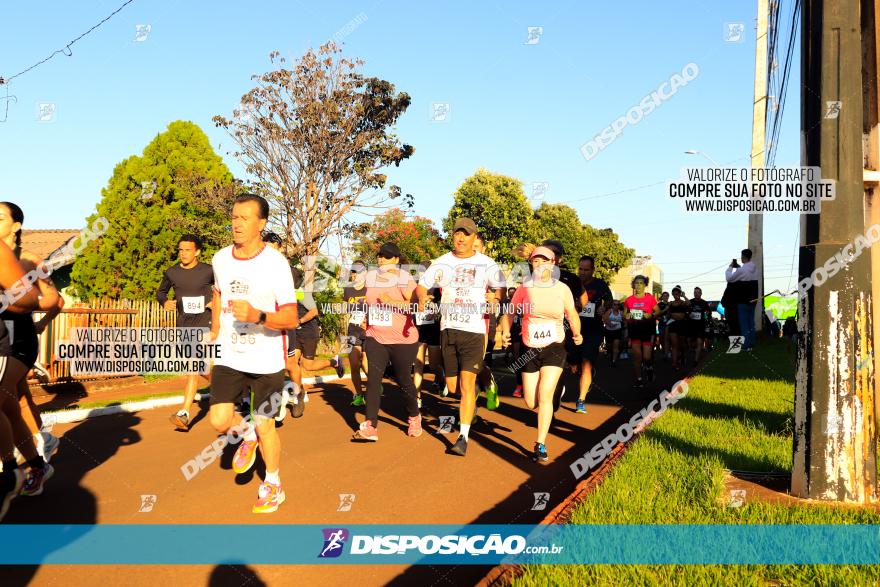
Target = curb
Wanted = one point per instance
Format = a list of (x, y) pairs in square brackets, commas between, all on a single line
[(561, 514), (78, 415)]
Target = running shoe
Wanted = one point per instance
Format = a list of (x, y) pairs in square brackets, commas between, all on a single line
[(36, 478), (541, 453), (624, 355), (639, 383), (492, 394), (340, 368), (518, 391), (10, 486), (649, 373), (299, 404), (245, 456), (180, 420), (460, 447), (613, 364), (415, 426), (285, 399), (366, 431), (419, 402), (50, 445), (269, 497), (358, 400), (581, 407), (445, 391)]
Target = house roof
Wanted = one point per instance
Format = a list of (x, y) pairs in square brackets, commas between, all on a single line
[(45, 242)]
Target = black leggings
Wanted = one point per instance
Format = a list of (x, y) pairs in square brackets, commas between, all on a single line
[(402, 357)]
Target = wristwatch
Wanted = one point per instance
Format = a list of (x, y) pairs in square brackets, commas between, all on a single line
[(262, 318)]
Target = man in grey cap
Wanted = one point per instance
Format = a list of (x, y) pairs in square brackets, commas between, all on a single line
[(464, 276)]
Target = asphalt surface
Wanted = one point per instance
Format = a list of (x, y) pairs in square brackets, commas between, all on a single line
[(106, 464)]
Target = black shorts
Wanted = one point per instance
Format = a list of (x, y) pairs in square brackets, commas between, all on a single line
[(462, 351), (678, 328), (641, 331), (552, 355), (356, 335), (429, 334), (202, 320), (696, 329), (308, 347), (589, 349), (228, 386), (613, 334)]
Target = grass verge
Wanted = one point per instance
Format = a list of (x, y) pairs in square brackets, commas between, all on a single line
[(738, 415)]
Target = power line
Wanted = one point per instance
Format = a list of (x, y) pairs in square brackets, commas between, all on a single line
[(66, 50)]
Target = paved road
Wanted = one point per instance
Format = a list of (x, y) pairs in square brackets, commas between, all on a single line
[(106, 464)]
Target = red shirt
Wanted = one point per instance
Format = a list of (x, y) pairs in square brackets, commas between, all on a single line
[(645, 304)]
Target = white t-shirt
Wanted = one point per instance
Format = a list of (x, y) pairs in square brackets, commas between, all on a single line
[(464, 283), (265, 281)]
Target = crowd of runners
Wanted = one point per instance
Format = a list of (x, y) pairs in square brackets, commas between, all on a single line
[(444, 322)]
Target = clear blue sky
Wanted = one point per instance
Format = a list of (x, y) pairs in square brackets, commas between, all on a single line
[(518, 109)]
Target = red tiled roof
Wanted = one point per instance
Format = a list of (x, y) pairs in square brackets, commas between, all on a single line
[(46, 242)]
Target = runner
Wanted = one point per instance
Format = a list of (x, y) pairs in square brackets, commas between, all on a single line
[(13, 430), (516, 344), (678, 327), (640, 310), (485, 380), (355, 299), (570, 378), (24, 338), (613, 320), (254, 303), (592, 330), (545, 301), (392, 338), (698, 322), (464, 276), (662, 324), (428, 325), (192, 282), (305, 349)]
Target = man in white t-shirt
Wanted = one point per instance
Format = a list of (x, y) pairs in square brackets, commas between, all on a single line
[(254, 303), (463, 276)]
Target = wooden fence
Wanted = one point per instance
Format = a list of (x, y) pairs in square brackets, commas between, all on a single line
[(99, 313)]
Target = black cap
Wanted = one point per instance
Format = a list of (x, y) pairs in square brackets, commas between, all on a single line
[(389, 251)]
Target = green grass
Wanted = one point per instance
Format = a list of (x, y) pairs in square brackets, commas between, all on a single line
[(737, 415)]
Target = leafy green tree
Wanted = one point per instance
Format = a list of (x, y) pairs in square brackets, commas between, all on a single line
[(500, 209), (417, 238), (177, 185), (561, 222)]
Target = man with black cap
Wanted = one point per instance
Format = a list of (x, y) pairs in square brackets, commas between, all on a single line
[(464, 276)]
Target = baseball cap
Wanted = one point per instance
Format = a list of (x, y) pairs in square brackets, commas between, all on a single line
[(465, 224), (389, 251), (543, 252)]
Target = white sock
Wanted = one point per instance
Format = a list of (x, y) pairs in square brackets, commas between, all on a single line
[(465, 428), (251, 434), (40, 443), (273, 478), (183, 412)]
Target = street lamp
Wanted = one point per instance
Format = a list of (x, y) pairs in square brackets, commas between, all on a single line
[(695, 152)]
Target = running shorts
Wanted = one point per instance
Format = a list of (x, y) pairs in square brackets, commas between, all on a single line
[(356, 335), (613, 334), (696, 329), (678, 327), (589, 349), (228, 386), (462, 351), (552, 355), (308, 347), (641, 331), (429, 334)]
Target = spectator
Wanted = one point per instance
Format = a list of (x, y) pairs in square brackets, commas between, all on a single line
[(745, 293)]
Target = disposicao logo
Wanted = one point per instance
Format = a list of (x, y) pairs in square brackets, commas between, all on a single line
[(334, 541)]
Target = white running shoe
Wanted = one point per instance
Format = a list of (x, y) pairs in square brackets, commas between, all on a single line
[(50, 445)]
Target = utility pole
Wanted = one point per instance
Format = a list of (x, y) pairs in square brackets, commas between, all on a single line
[(755, 236), (835, 426)]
